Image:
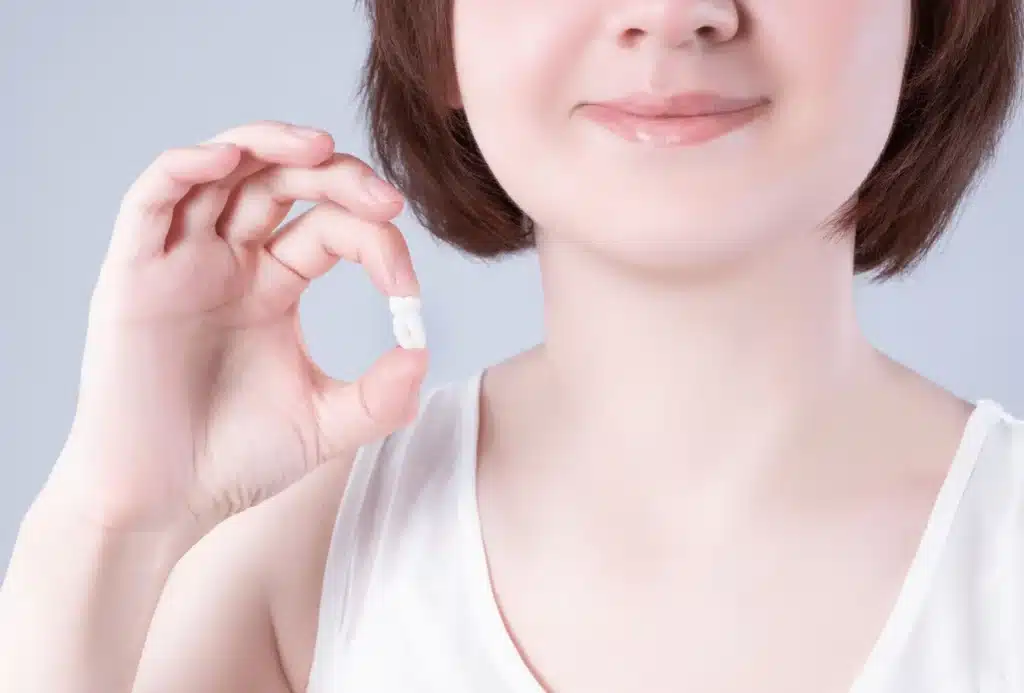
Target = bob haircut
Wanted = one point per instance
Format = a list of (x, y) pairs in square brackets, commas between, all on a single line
[(959, 93)]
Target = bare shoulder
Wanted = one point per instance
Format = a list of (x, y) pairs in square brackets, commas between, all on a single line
[(921, 419)]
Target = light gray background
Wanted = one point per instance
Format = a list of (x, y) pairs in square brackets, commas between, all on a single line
[(91, 92)]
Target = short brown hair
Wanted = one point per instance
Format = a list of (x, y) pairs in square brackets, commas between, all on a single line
[(959, 92)]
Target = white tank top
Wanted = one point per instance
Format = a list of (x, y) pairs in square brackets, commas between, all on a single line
[(407, 603)]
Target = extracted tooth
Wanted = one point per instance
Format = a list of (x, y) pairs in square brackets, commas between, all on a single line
[(407, 321)]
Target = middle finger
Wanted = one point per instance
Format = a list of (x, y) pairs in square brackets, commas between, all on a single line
[(263, 200), (263, 144)]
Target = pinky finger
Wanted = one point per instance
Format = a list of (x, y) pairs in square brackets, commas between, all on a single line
[(147, 208)]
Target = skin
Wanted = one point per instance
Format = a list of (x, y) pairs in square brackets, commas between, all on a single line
[(772, 467)]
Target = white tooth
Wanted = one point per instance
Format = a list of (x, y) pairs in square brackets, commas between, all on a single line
[(407, 321)]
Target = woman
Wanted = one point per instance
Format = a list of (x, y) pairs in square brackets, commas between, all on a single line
[(703, 479)]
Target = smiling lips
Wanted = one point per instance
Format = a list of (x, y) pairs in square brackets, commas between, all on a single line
[(682, 120)]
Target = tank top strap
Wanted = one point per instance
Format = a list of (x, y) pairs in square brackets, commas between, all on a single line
[(395, 488)]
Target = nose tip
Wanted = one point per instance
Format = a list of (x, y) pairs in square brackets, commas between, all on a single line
[(679, 23)]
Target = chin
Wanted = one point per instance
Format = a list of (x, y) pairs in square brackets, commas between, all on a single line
[(659, 248)]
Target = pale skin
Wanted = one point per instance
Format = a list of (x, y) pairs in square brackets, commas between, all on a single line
[(757, 501)]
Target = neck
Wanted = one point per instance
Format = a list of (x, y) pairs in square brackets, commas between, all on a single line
[(720, 369)]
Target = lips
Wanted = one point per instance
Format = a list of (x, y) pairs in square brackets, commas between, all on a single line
[(688, 105), (685, 119)]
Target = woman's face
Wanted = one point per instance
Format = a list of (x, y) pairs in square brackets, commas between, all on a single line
[(826, 74)]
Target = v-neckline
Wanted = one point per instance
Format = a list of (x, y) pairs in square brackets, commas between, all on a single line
[(898, 623)]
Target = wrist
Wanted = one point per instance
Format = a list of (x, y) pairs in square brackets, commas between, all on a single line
[(58, 520), (105, 499), (84, 593)]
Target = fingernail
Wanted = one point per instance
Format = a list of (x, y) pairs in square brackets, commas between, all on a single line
[(382, 191), (404, 280), (308, 133)]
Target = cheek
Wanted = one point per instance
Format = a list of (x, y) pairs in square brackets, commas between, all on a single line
[(509, 51), (515, 63), (840, 68), (512, 61)]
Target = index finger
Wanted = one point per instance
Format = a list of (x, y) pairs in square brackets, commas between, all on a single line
[(267, 142), (146, 210)]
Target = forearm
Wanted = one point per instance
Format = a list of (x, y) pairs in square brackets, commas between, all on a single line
[(77, 602)]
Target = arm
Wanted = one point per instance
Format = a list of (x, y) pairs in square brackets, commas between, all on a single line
[(235, 613), (172, 341), (240, 611), (211, 632), (77, 600)]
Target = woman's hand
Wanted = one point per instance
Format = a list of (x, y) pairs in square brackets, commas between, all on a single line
[(198, 398)]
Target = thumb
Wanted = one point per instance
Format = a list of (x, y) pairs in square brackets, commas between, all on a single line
[(383, 399)]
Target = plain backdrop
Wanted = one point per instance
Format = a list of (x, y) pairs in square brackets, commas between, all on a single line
[(90, 93)]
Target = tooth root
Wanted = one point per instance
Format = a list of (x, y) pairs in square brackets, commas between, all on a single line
[(407, 322)]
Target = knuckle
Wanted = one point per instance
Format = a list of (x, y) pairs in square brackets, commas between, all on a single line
[(274, 124), (383, 238), (346, 160), (332, 219), (396, 248), (350, 167), (270, 127), (141, 195), (138, 199), (393, 236), (161, 164), (349, 175), (167, 161), (238, 133), (264, 127), (268, 183), (329, 211)]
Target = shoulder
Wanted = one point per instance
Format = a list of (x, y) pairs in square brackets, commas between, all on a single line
[(1014, 566), (1009, 446), (998, 472), (1004, 443), (1012, 451), (1005, 491)]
